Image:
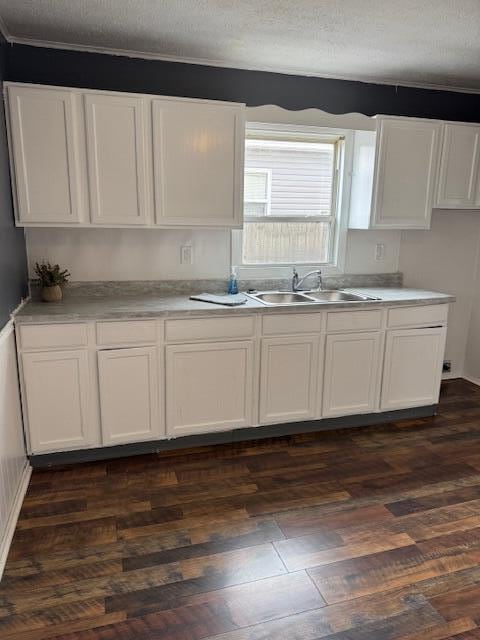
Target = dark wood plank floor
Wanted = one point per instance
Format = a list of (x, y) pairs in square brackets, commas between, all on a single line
[(365, 534)]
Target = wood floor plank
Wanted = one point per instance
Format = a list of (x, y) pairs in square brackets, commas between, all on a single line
[(465, 600), (386, 570), (84, 515), (60, 537), (322, 549), (425, 503), (443, 631), (300, 523), (51, 509), (91, 626), (32, 620), (266, 532)]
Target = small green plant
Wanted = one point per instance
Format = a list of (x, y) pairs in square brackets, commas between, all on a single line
[(50, 275)]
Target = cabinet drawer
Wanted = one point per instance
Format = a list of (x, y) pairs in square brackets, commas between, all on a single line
[(291, 323), (131, 332), (418, 316), (354, 320), (209, 329), (42, 336)]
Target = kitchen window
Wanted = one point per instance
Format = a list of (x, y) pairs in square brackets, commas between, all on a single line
[(292, 197)]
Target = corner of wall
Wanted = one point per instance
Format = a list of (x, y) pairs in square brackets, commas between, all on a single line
[(13, 260)]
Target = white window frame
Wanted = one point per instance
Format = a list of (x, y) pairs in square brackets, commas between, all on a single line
[(268, 200), (344, 162)]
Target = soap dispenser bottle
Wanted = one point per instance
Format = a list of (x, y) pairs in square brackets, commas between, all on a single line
[(232, 283)]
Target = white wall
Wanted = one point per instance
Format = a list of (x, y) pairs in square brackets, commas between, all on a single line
[(131, 254), (472, 358), (360, 254), (154, 254), (13, 462), (444, 258)]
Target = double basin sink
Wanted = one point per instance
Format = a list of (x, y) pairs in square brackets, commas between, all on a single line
[(307, 297)]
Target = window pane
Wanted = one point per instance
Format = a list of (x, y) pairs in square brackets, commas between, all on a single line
[(255, 209), (301, 175), (256, 184), (285, 242)]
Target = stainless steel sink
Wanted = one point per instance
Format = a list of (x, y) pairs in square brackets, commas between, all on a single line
[(281, 297), (278, 298), (336, 296)]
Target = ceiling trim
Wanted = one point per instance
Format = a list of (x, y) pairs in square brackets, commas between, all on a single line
[(145, 55)]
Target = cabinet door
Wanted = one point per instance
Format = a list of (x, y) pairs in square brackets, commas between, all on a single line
[(56, 386), (352, 374), (116, 156), (129, 395), (44, 152), (198, 163), (413, 367), (458, 166), (405, 173), (288, 379), (209, 387)]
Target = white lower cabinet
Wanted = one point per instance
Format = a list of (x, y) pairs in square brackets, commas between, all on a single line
[(209, 387), (412, 367), (129, 395), (352, 373), (116, 382), (289, 378), (57, 399)]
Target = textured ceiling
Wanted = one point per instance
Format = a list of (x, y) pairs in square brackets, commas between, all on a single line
[(435, 42)]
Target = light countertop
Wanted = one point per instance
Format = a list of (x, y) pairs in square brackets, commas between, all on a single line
[(147, 305)]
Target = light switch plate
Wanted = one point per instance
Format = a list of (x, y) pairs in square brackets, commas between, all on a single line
[(186, 254), (379, 252)]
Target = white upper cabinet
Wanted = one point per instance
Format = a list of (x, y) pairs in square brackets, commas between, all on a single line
[(198, 149), (459, 166), (116, 158), (43, 145), (399, 193), (406, 171)]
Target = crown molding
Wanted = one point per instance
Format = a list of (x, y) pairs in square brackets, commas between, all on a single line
[(146, 55)]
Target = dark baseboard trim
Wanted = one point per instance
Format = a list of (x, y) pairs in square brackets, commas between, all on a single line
[(225, 437)]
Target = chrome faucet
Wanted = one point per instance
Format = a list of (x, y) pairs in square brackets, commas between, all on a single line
[(297, 282)]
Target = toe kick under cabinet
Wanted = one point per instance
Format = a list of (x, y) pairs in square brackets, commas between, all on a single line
[(102, 383)]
